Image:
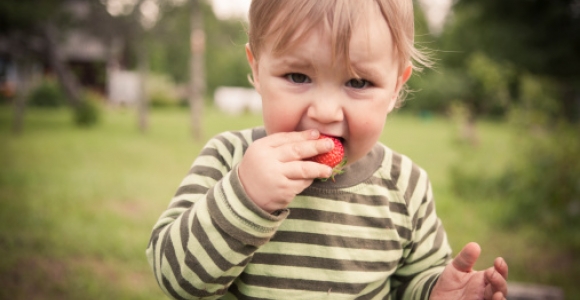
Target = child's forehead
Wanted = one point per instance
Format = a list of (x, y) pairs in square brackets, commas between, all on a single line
[(366, 45), (276, 26), (338, 25), (347, 36)]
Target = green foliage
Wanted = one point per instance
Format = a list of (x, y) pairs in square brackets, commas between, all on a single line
[(540, 186), (88, 113), (538, 105), (539, 36), (539, 189), (434, 90), (489, 82), (225, 58), (531, 37), (5, 99), (544, 185), (47, 94), (25, 14), (544, 182), (161, 91), (168, 45), (482, 83)]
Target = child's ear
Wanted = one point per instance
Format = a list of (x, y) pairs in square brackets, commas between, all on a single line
[(254, 80), (401, 80)]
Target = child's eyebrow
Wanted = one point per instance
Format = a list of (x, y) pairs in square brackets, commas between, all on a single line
[(294, 62), (366, 70)]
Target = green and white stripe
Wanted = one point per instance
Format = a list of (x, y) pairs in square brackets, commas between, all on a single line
[(372, 234)]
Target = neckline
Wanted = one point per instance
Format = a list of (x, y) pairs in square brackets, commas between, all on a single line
[(355, 173)]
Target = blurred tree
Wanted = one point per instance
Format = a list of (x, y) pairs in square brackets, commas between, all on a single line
[(129, 24), (525, 52), (225, 60), (33, 31), (537, 37), (197, 68), (134, 24), (30, 32), (457, 77)]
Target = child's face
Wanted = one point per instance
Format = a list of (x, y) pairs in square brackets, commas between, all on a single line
[(303, 89)]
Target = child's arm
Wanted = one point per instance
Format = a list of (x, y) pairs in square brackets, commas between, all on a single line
[(427, 252), (459, 280), (209, 232), (426, 271)]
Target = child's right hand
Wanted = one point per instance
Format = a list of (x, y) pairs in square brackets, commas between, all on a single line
[(273, 170)]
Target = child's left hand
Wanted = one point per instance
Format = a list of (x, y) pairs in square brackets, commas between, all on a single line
[(460, 281)]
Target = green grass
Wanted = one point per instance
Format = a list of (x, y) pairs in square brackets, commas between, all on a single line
[(77, 204)]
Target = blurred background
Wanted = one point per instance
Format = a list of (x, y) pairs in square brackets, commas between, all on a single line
[(105, 104)]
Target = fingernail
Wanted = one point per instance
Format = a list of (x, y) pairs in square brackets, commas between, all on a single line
[(329, 144), (328, 172), (314, 134)]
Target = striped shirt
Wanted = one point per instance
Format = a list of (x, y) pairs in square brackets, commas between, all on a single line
[(371, 234)]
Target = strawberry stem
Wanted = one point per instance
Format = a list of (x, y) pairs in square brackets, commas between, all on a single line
[(335, 171)]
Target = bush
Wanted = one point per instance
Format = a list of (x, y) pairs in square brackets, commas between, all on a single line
[(435, 90), (544, 184), (89, 111), (540, 187), (47, 94), (161, 91)]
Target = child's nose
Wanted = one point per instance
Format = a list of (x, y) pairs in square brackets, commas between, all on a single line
[(326, 108)]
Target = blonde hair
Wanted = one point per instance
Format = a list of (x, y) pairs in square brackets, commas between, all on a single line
[(286, 21)]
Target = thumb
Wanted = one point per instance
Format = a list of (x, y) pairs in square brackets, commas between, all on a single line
[(465, 260)]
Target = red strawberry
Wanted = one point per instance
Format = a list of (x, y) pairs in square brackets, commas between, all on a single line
[(334, 158)]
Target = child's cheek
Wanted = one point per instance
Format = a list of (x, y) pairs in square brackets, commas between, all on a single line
[(364, 136), (276, 120)]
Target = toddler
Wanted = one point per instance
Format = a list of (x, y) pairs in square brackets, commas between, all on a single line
[(252, 220)]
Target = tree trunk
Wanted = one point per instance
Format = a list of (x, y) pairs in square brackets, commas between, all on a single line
[(66, 78), (142, 103), (19, 106), (25, 81), (196, 69)]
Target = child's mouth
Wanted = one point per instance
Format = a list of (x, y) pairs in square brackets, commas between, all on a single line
[(341, 139)]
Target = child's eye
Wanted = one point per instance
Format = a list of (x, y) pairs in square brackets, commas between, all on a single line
[(297, 78), (358, 83)]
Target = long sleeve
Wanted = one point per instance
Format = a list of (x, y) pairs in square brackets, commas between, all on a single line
[(427, 252), (372, 234), (211, 229)]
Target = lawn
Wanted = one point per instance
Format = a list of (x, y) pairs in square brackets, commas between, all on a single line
[(77, 204)]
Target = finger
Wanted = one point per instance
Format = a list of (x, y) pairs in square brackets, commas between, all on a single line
[(295, 187), (281, 138), (465, 260), (498, 296), (496, 281), (501, 267), (306, 170), (302, 150)]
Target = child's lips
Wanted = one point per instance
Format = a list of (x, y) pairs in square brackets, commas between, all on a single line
[(333, 136), (341, 139)]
